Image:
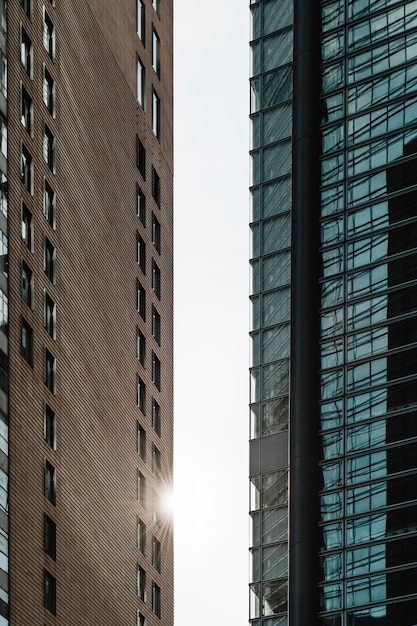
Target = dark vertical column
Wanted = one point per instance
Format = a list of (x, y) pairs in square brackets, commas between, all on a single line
[(304, 424)]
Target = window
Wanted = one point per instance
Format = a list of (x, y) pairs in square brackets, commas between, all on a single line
[(141, 84), (27, 342), (50, 316), (27, 7), (3, 74), (26, 52), (26, 111), (156, 53), (4, 253), (141, 583), (156, 509), (156, 279), (141, 436), (4, 311), (156, 325), (141, 21), (156, 599), (141, 300), (141, 252), (156, 417), (49, 601), (156, 554), (155, 4), (48, 35), (156, 371), (140, 346), (156, 460), (141, 205), (141, 489), (49, 260), (141, 537), (50, 371), (49, 537), (27, 284), (48, 91), (156, 115), (3, 16), (141, 157), (3, 193), (141, 621), (3, 136), (50, 482), (49, 203), (141, 396), (156, 187), (156, 233), (26, 169), (49, 148), (27, 227), (49, 427)]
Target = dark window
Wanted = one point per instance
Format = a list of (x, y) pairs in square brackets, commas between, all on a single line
[(141, 157), (156, 554), (50, 316), (48, 35), (48, 91), (141, 252), (26, 52), (140, 346), (3, 74), (141, 300), (49, 601), (49, 203), (156, 187), (141, 435), (156, 325), (156, 417), (141, 583), (49, 148), (142, 489), (26, 168), (156, 115), (49, 260), (3, 193), (26, 110), (156, 371), (141, 205), (156, 279), (156, 599), (49, 537), (4, 253), (156, 52), (27, 342), (141, 21), (50, 371), (141, 621), (49, 427), (141, 397), (50, 482), (27, 7), (4, 312), (156, 233), (27, 284), (141, 537), (156, 460)]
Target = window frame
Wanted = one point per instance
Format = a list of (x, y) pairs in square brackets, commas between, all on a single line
[(48, 35), (26, 110), (49, 426), (49, 600), (48, 91), (27, 227), (156, 114), (50, 482), (27, 342), (26, 168), (156, 52), (50, 371), (141, 21), (27, 284), (49, 536), (49, 261), (141, 83), (26, 52)]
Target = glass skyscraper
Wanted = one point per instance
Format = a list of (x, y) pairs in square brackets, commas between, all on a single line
[(333, 450)]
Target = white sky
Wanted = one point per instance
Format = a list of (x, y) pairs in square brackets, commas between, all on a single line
[(211, 312)]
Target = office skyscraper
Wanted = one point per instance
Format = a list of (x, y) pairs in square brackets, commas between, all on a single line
[(333, 451), (86, 312)]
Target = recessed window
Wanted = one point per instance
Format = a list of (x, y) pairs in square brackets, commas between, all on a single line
[(26, 169), (141, 537), (26, 111), (141, 83), (156, 371), (141, 300), (141, 395), (27, 227), (50, 371), (155, 4), (156, 233), (141, 20), (49, 260), (141, 205), (140, 346), (3, 16), (141, 157), (156, 187), (142, 489), (50, 482), (49, 203), (141, 252), (156, 52), (156, 516), (27, 7), (50, 316), (3, 74), (141, 583), (49, 427), (49, 148), (156, 114), (27, 342), (4, 312), (156, 279), (48, 91), (156, 554), (48, 35), (27, 284), (156, 460), (3, 136), (156, 599), (4, 253), (141, 443), (49, 592), (156, 417), (3, 193), (49, 537), (141, 620), (156, 325), (26, 52)]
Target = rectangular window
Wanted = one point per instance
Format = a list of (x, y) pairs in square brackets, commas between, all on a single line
[(141, 621), (26, 52), (50, 316), (141, 21), (141, 84), (156, 325), (4, 312), (156, 599), (27, 7), (49, 601), (3, 16), (156, 233), (3, 74), (155, 4), (156, 554), (141, 537), (3, 193), (140, 346), (141, 583), (156, 371), (26, 111), (50, 371), (156, 53), (156, 460), (27, 284), (50, 482), (49, 537), (4, 253), (156, 187), (141, 205), (156, 509), (48, 35), (27, 227), (141, 157), (3, 135), (141, 252), (142, 489), (141, 300), (26, 168), (156, 279), (156, 417), (141, 445), (49, 148), (156, 115), (27, 342), (48, 91), (141, 396), (49, 260), (49, 427), (49, 203)]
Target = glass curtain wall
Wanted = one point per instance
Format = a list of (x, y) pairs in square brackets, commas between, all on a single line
[(369, 313)]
